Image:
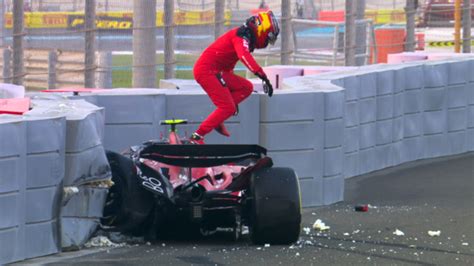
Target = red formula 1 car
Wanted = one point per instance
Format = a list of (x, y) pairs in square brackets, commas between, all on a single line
[(168, 187)]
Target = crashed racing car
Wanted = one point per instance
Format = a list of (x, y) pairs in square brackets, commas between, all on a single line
[(169, 186)]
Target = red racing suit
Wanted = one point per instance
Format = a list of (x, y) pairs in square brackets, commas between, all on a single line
[(214, 72)]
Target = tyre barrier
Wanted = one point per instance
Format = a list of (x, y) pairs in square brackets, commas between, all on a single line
[(50, 149)]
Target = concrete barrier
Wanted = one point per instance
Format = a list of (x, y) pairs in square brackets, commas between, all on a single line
[(278, 73), (45, 166), (58, 143), (32, 163), (85, 163), (400, 113), (11, 91), (12, 189), (406, 57)]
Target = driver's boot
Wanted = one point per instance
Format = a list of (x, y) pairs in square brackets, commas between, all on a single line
[(196, 139), (221, 129)]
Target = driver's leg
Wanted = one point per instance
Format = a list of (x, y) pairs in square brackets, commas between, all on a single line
[(239, 87), (222, 99)]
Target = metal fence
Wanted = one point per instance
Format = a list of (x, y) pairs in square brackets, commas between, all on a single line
[(142, 49)]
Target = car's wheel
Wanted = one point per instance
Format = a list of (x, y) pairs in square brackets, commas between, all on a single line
[(128, 204), (275, 209)]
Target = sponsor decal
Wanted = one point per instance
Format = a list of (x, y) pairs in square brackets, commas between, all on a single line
[(102, 22), (115, 20), (246, 43), (150, 182), (54, 19)]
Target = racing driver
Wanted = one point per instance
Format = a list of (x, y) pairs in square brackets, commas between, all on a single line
[(214, 70)]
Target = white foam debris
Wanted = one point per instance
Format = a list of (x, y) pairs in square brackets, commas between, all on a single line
[(307, 230), (356, 231), (398, 233), (71, 190), (118, 237), (319, 225), (68, 192), (346, 234), (102, 241), (267, 245), (297, 254), (434, 233), (465, 244), (245, 230)]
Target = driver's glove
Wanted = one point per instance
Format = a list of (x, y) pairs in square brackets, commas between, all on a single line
[(267, 86)]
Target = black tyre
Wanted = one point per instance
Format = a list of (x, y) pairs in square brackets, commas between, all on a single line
[(275, 211), (128, 204)]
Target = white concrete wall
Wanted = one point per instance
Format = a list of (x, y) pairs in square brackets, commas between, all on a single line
[(57, 144)]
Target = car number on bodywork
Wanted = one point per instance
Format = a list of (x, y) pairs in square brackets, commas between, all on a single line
[(150, 182)]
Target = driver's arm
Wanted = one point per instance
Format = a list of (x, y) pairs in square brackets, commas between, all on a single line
[(241, 46)]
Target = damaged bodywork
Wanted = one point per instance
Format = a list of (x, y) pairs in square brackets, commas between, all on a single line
[(161, 187)]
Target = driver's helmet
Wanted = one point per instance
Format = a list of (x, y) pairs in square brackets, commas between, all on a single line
[(265, 28)]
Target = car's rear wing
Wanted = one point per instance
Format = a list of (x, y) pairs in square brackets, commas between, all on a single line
[(209, 155)]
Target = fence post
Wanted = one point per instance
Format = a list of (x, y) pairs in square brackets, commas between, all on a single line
[(361, 36), (410, 10), (89, 49), (144, 44), (219, 18), (285, 32), (18, 63), (52, 62), (104, 70), (350, 28), (335, 45), (7, 65), (169, 39), (2, 22), (466, 26), (457, 26)]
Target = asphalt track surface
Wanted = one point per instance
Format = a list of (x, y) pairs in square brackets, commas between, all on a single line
[(414, 198)]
